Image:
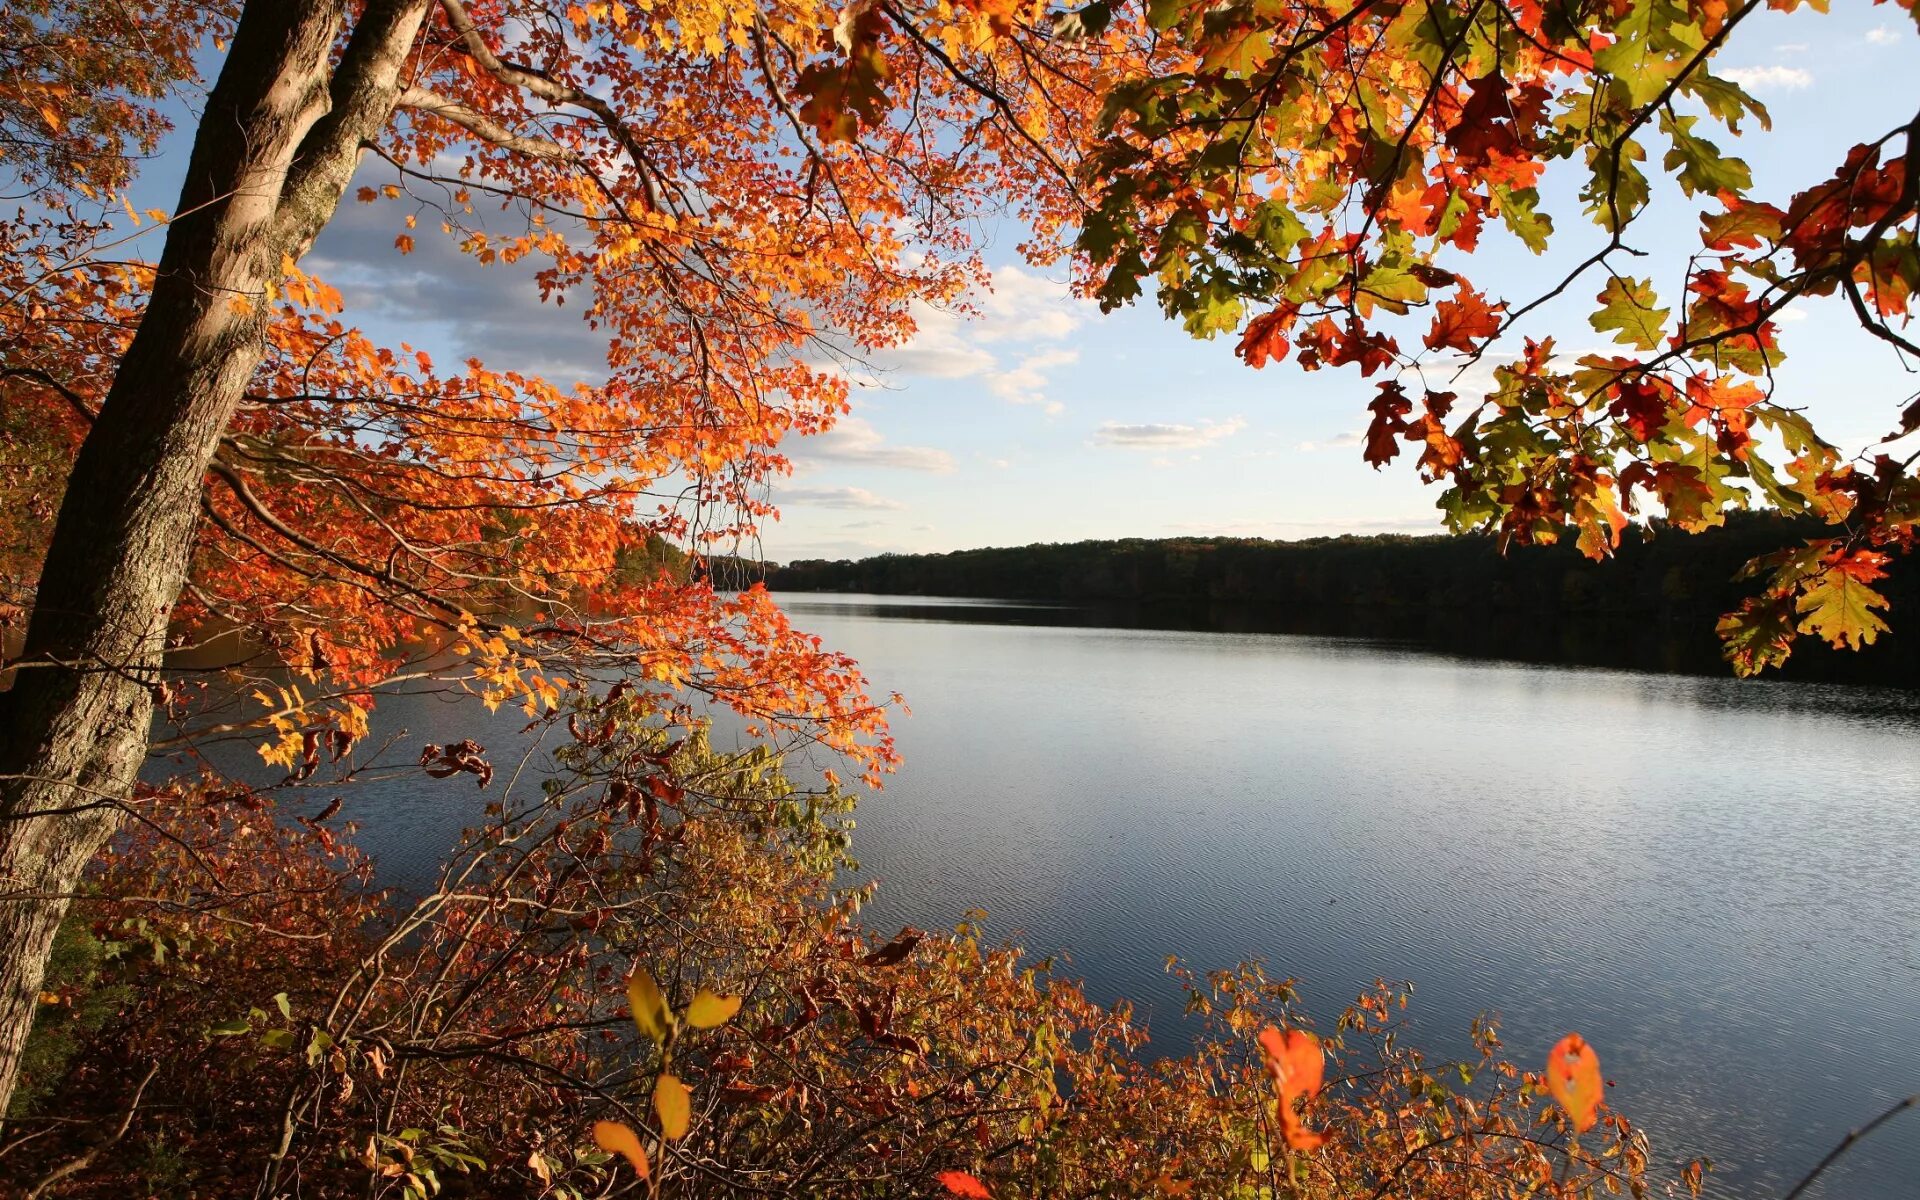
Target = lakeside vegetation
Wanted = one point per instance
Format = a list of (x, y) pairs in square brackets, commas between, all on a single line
[(1655, 604)]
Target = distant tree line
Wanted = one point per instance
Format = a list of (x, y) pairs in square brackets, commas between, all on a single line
[(1653, 606)]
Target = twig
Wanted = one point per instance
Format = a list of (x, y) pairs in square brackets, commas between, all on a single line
[(1848, 1142)]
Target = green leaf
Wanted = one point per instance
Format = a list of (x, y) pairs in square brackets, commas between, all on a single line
[(1726, 100), (1698, 163), (1628, 310), (233, 1028), (1519, 208)]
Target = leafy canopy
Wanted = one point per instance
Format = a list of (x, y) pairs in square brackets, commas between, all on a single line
[(1319, 177)]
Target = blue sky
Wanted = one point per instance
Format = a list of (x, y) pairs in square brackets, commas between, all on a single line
[(1043, 420)]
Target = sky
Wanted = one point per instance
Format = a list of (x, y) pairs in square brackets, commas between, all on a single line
[(1043, 420)]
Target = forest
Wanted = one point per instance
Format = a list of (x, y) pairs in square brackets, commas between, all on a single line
[(251, 505), (1664, 589)]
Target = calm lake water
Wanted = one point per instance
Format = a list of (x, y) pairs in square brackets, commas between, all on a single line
[(1713, 881)]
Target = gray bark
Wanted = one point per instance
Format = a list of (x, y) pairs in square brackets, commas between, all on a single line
[(282, 131)]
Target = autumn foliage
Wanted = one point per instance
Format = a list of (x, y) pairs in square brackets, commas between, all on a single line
[(641, 962), (1319, 177)]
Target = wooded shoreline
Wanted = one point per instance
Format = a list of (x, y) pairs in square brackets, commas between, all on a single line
[(1652, 607)]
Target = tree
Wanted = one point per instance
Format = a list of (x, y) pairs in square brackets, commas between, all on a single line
[(1331, 169), (739, 195)]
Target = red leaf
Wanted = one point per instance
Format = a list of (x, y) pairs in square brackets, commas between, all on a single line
[(959, 1183), (1266, 338), (1296, 1065), (1389, 410)]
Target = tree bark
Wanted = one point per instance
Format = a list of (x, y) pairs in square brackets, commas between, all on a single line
[(274, 151)]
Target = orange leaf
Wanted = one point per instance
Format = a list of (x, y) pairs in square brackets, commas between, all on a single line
[(615, 1138), (1573, 1078), (1460, 324), (959, 1183), (1297, 1065)]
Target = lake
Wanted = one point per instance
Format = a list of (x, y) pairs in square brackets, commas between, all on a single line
[(1713, 880)]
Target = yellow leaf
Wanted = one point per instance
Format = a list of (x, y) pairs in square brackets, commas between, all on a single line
[(615, 1138), (651, 1016), (709, 1011), (674, 1104)]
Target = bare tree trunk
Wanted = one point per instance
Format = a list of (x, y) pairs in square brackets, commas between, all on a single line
[(282, 130)]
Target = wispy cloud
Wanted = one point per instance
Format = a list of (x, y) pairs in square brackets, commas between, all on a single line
[(1883, 35), (836, 497), (1026, 382), (1155, 436), (1776, 78), (1337, 442), (1011, 341), (856, 442)]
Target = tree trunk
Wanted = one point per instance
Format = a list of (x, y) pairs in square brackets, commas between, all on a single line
[(271, 158)]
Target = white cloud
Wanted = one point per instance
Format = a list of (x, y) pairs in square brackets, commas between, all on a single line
[(1769, 79), (853, 440), (1022, 316), (1792, 48), (1026, 383), (1024, 307), (1166, 436), (1883, 35), (836, 497), (1336, 442)]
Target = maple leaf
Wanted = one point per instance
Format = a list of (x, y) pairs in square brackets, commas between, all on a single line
[(842, 96), (1462, 323)]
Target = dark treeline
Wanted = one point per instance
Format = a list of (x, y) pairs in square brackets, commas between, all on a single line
[(1652, 606)]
